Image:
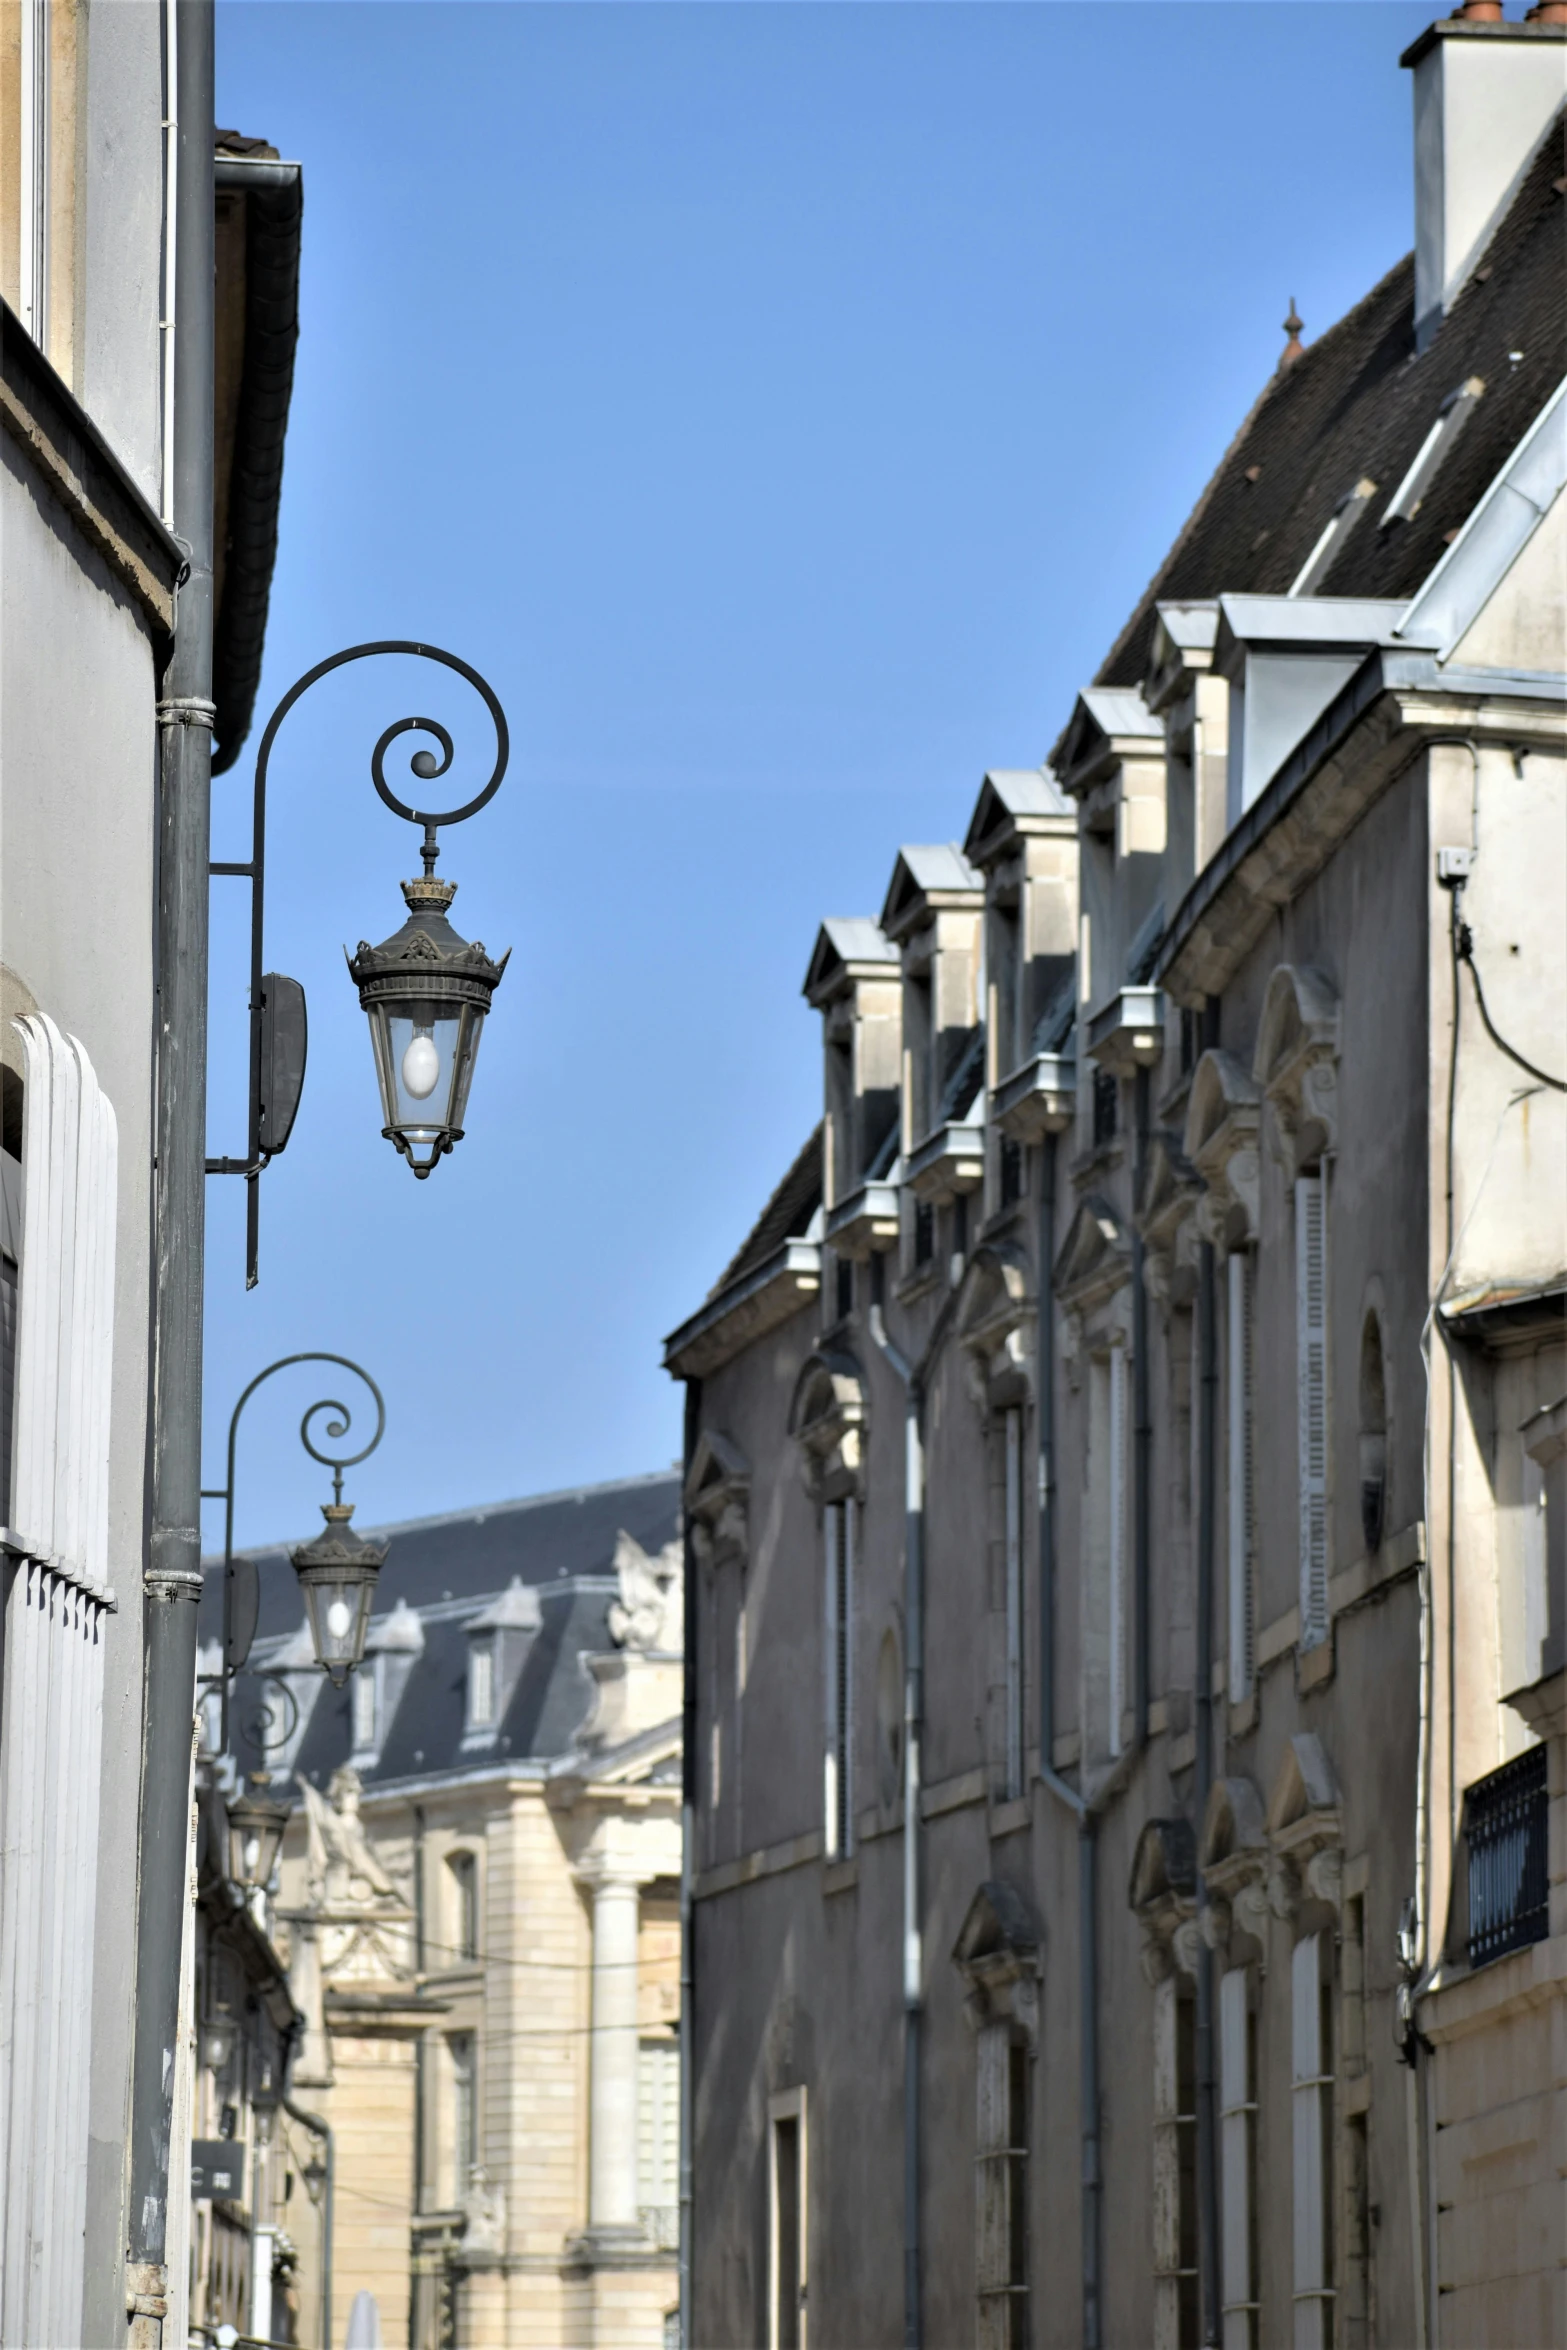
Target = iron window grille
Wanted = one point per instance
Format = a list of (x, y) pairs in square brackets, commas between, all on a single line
[(1505, 1826)]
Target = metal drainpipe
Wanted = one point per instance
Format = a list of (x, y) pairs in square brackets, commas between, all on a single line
[(172, 1580), (913, 1727), (688, 1690), (419, 2054), (1207, 2133), (1061, 1789), (1142, 1475), (322, 2130)]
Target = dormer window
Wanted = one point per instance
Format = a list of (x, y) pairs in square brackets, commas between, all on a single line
[(481, 1683), (1330, 545), (1456, 411), (499, 1640), (365, 1708)]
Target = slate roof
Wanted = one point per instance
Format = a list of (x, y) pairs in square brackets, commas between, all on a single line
[(452, 1570), (1356, 406), (786, 1216), (473, 1554)]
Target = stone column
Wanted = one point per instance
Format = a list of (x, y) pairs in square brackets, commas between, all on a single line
[(612, 2145)]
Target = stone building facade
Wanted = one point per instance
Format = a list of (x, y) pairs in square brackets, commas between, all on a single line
[(478, 1906), (1129, 1840)]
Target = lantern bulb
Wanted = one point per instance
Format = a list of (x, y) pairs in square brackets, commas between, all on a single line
[(421, 1067), (338, 1619)]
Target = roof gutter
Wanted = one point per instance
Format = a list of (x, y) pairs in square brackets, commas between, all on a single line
[(274, 208)]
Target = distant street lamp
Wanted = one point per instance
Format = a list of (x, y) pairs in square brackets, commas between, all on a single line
[(257, 1822), (337, 1572), (425, 989)]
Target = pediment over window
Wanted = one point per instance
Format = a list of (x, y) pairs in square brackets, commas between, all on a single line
[(1166, 1218), (717, 1500), (1163, 1893), (827, 1420), (997, 1954), (1305, 1827), (1296, 1062), (1237, 1860), (1096, 1257), (995, 1317), (1223, 1121)]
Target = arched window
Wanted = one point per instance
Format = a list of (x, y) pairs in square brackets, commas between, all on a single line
[(1373, 1434), (463, 1869)]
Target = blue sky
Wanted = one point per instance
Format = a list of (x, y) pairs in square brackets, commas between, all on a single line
[(782, 406)]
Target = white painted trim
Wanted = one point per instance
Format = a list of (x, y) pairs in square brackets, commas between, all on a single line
[(1495, 535), (788, 2105)]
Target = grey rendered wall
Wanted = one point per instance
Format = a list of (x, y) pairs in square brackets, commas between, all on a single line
[(76, 900)]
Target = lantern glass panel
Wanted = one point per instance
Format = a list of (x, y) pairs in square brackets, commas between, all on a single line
[(339, 1610)]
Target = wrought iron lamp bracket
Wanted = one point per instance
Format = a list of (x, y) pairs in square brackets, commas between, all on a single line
[(260, 1149), (237, 1634)]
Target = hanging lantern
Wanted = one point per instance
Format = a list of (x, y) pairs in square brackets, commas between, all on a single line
[(257, 1822), (337, 1573), (425, 991)]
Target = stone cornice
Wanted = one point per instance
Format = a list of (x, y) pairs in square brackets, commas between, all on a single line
[(63, 445), (1360, 745)]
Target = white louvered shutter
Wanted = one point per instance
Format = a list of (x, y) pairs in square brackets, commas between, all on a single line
[(51, 1702), (1235, 2137), (832, 1538), (1311, 1318), (1014, 1595), (1241, 1479)]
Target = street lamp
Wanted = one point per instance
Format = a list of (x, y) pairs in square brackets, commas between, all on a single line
[(337, 1572), (425, 990), (257, 1822)]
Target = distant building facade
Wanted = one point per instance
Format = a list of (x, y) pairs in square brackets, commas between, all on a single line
[(1129, 1862), (478, 1903)]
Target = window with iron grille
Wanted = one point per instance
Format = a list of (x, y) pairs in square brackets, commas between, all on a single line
[(1506, 1816)]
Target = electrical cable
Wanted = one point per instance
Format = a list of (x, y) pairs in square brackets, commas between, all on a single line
[(1463, 952)]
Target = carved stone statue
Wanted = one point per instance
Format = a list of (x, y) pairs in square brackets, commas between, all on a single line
[(650, 1613), (341, 1868)]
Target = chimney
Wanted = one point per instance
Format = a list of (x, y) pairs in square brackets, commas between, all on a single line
[(1485, 93)]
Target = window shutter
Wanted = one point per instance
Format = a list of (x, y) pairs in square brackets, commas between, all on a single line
[(846, 1597), (1241, 1480), (1118, 1606), (832, 1540), (1310, 2229), (1312, 1383), (1236, 2106)]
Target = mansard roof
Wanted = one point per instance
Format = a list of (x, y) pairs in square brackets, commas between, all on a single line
[(1357, 405), (546, 1561)]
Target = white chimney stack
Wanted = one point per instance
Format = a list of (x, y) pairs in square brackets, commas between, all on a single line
[(1485, 93)]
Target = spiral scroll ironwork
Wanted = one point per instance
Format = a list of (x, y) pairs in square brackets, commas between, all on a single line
[(336, 1462), (256, 1726)]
